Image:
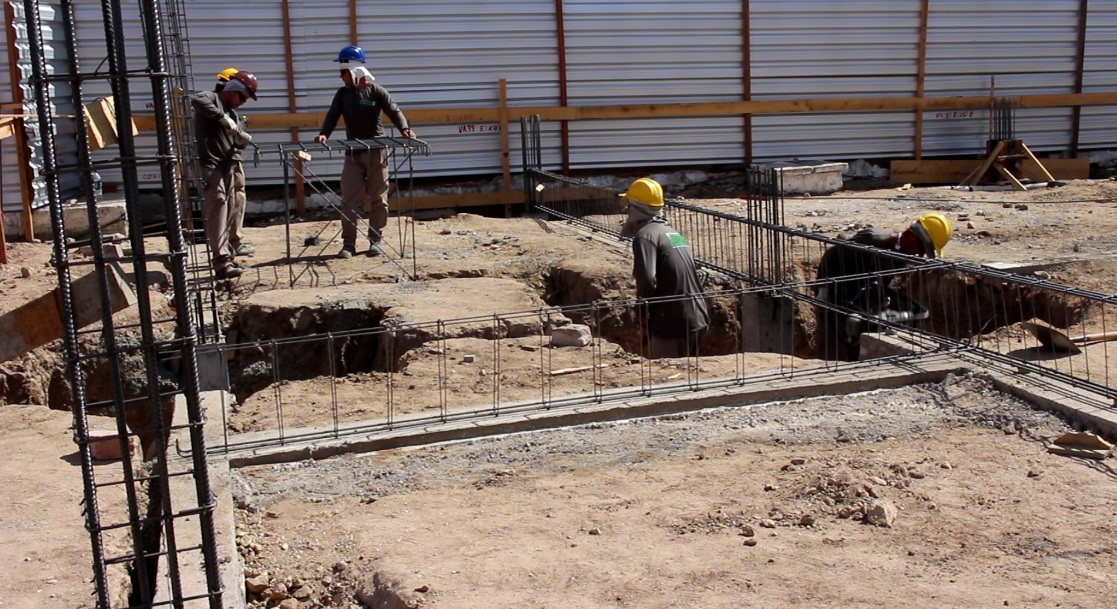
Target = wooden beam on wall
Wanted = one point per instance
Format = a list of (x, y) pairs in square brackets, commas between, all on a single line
[(564, 84), (353, 29), (505, 151), (293, 106), (784, 106), (954, 171), (921, 73), (26, 177), (1079, 73), (746, 74)]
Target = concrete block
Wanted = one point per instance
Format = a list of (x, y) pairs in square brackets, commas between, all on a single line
[(574, 335), (104, 445), (809, 177), (112, 216)]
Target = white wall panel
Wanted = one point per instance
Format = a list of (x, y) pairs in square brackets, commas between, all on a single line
[(1026, 47), (1100, 75), (10, 169), (833, 49), (654, 51)]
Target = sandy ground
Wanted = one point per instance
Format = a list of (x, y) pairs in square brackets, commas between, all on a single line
[(764, 506), (648, 514)]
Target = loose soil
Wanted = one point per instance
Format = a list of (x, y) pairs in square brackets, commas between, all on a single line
[(760, 506), (636, 514)]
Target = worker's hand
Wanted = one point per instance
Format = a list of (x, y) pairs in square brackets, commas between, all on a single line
[(319, 139), (409, 133), (242, 138)]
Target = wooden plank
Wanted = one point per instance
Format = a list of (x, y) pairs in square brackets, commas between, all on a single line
[(568, 113), (953, 171), (1001, 169), (26, 176), (979, 173), (921, 74), (505, 152), (468, 200), (40, 321), (1045, 175), (293, 106)]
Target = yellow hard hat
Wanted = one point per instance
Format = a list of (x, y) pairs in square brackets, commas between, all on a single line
[(938, 229), (226, 74), (645, 191)]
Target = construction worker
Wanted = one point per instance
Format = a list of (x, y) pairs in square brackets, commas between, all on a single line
[(364, 176), (220, 138), (925, 237), (239, 203), (663, 267)]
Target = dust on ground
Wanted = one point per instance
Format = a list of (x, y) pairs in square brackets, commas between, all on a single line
[(934, 496)]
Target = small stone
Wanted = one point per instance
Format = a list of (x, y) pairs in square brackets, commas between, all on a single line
[(595, 531), (771, 487), (1021, 206), (423, 589), (946, 466), (807, 520), (970, 225), (303, 593), (1034, 474), (768, 523), (798, 461), (256, 585), (918, 475), (468, 358), (340, 566), (24, 272), (750, 542), (289, 604), (881, 514), (747, 531)]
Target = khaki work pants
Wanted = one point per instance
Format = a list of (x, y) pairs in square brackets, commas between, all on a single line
[(364, 185), (223, 201)]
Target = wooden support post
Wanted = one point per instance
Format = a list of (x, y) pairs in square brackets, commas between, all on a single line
[(506, 162), (293, 107), (921, 74), (746, 75), (1039, 164), (353, 29), (560, 25), (26, 177), (1079, 70), (979, 173), (1001, 169)]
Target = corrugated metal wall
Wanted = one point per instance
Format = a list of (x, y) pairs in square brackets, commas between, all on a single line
[(65, 144), (1099, 124), (654, 51), (1029, 48), (451, 54), (833, 49)]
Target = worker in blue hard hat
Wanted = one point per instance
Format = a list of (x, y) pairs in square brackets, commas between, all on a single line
[(364, 175)]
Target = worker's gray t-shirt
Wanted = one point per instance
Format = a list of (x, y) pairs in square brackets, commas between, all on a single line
[(361, 109), (664, 266)]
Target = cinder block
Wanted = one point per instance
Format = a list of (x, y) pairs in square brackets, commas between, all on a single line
[(104, 445)]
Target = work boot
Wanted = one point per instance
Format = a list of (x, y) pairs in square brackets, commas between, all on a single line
[(374, 249), (347, 251), (245, 250), (228, 271)]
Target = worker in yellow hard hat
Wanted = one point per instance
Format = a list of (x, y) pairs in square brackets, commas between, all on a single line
[(925, 237), (223, 77), (676, 318)]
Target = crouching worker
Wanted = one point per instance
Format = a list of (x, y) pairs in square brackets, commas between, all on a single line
[(663, 266), (925, 237)]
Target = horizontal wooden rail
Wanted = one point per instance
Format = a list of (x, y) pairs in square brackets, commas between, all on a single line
[(310, 120)]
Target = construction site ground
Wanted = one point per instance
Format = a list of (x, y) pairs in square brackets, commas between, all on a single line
[(762, 506)]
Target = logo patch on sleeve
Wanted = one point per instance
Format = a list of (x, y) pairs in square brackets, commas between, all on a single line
[(677, 240)]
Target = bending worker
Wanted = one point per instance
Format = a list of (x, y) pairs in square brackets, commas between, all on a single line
[(925, 237), (220, 138), (364, 176), (663, 266)]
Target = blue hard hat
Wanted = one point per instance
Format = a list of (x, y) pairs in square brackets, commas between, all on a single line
[(351, 53)]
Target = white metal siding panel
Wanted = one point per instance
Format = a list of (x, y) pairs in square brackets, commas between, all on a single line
[(57, 63), (654, 51), (1028, 46), (1099, 123), (833, 49)]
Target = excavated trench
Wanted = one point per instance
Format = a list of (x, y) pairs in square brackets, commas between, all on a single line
[(965, 305)]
